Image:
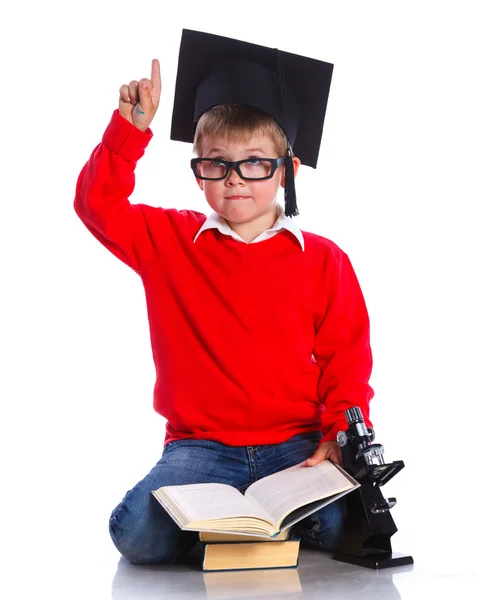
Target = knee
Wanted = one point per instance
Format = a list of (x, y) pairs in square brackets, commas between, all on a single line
[(136, 531), (144, 533), (135, 543)]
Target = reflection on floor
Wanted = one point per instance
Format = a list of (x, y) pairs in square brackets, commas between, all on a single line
[(317, 576), (87, 566)]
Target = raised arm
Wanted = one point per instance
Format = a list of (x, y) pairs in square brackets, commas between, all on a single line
[(107, 180)]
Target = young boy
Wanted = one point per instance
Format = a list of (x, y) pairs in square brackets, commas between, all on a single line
[(259, 331)]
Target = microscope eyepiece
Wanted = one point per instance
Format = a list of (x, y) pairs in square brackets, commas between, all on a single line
[(354, 415)]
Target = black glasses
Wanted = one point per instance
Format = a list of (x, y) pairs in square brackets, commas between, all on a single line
[(248, 169)]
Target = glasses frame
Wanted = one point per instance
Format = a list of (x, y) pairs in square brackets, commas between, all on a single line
[(276, 162)]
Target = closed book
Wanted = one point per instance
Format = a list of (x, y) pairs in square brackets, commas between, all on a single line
[(226, 556)]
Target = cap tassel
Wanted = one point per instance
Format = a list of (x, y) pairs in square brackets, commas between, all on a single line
[(291, 209)]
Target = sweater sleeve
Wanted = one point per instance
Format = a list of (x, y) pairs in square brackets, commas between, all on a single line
[(104, 185), (342, 349)]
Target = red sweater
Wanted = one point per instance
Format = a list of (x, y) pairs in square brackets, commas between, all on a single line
[(252, 343)]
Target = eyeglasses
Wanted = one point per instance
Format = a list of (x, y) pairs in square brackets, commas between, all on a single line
[(248, 169)]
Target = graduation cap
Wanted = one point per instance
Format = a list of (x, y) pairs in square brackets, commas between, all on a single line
[(293, 89)]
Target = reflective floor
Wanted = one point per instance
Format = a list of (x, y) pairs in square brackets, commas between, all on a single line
[(99, 572), (317, 576)]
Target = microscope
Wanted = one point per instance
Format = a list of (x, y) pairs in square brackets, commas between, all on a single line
[(366, 539)]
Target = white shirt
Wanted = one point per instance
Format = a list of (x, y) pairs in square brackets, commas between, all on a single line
[(282, 222)]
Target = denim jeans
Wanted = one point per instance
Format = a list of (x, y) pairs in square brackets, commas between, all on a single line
[(144, 533)]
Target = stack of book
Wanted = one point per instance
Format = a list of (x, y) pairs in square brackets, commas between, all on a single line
[(252, 530)]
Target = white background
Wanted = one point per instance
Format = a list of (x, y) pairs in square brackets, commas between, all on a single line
[(394, 188)]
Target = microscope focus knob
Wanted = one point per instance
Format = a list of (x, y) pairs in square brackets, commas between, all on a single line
[(383, 507), (373, 454), (342, 438)]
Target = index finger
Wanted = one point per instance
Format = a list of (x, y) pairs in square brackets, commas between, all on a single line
[(155, 77)]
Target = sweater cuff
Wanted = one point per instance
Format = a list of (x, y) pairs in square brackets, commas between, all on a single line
[(125, 139)]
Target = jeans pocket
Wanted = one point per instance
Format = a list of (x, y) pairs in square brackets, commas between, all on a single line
[(170, 445), (298, 448)]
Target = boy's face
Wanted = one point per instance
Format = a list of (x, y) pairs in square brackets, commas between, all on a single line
[(249, 207)]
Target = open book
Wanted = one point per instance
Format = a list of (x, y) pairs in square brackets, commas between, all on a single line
[(269, 506)]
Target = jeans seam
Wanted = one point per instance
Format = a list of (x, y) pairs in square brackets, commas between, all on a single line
[(251, 463)]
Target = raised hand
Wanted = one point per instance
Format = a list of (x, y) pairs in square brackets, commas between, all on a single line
[(138, 101)]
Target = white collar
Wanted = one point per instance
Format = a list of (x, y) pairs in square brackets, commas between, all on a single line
[(282, 222)]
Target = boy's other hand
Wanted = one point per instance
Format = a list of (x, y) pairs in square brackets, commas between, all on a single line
[(138, 101), (325, 450)]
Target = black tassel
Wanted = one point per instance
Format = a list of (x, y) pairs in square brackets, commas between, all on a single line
[(291, 209)]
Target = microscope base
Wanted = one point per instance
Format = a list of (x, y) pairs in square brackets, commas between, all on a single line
[(376, 561)]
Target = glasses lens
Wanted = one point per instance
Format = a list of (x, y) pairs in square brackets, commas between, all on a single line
[(256, 168), (211, 168)]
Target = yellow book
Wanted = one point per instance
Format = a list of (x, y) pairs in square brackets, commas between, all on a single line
[(268, 507), (250, 555)]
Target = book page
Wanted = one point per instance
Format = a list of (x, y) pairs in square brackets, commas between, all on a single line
[(210, 537), (210, 501), (283, 492), (300, 513)]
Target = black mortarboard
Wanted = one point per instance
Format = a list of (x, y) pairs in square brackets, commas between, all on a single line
[(293, 89)]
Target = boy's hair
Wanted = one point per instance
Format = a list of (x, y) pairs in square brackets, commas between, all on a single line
[(239, 121)]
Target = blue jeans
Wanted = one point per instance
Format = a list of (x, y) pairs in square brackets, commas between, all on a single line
[(144, 533)]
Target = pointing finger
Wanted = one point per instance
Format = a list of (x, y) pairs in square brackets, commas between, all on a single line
[(156, 81)]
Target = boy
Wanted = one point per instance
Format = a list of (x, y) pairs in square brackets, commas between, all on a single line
[(259, 331)]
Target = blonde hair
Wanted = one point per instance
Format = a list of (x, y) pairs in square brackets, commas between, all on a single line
[(239, 121)]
